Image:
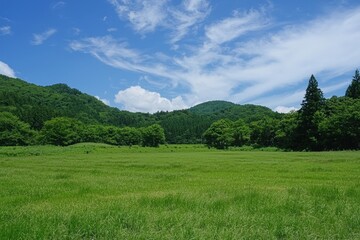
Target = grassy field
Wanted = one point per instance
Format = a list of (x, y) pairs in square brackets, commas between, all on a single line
[(92, 191)]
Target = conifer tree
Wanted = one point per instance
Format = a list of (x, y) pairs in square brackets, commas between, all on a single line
[(353, 91), (308, 128)]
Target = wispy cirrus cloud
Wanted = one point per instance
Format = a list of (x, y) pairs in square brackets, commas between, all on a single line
[(58, 5), (109, 51), (233, 65), (233, 27), (5, 30), (191, 13), (146, 16), (111, 29), (6, 70), (40, 38), (119, 55)]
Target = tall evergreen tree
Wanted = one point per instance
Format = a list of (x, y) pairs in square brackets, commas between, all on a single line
[(353, 91), (308, 136)]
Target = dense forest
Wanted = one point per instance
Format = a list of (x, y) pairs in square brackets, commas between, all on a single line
[(60, 115), (320, 124)]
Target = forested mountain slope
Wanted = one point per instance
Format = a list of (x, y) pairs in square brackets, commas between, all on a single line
[(36, 104), (221, 110)]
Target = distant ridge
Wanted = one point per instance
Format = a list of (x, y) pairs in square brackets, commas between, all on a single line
[(222, 109)]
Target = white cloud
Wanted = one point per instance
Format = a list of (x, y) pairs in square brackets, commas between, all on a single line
[(5, 30), (58, 5), (283, 109), (109, 51), (5, 19), (40, 38), (256, 69), (105, 101), (191, 13), (6, 70), (236, 26), (118, 55), (112, 29), (76, 31), (331, 88), (286, 99), (147, 15), (137, 99), (324, 47), (144, 15)]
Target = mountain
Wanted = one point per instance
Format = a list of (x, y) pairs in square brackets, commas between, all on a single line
[(36, 104)]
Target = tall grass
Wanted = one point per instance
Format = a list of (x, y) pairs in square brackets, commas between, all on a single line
[(92, 191)]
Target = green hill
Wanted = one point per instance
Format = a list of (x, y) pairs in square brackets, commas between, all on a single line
[(216, 110), (36, 104)]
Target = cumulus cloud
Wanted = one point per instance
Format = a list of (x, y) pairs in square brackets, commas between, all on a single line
[(5, 30), (40, 38), (283, 109), (251, 69), (105, 101), (137, 99), (6, 70)]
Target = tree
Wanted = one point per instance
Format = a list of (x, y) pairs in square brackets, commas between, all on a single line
[(263, 132), (111, 135), (241, 133), (219, 134), (285, 133), (94, 133), (14, 132), (340, 126), (353, 91), (307, 131), (61, 131), (152, 136), (130, 136)]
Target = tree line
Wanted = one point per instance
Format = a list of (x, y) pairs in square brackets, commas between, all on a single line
[(64, 131), (320, 124)]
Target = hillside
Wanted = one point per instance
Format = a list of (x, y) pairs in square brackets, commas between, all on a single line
[(36, 104), (221, 109)]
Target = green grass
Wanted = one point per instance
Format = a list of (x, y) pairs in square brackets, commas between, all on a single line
[(89, 191)]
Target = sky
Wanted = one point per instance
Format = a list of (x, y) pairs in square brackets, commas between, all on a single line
[(163, 55)]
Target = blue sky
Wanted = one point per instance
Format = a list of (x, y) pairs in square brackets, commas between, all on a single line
[(147, 56)]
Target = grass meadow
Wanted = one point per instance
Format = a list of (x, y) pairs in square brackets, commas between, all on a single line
[(92, 191)]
